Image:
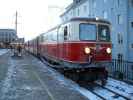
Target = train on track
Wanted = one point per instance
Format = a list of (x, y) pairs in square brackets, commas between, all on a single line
[(81, 46)]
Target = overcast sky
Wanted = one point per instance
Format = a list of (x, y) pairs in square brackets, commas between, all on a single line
[(34, 16)]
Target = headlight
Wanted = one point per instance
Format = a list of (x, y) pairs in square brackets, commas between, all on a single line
[(108, 50), (87, 50)]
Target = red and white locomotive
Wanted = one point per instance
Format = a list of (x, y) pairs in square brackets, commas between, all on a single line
[(82, 47)]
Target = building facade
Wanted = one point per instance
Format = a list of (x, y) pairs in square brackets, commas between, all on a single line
[(118, 12), (7, 36)]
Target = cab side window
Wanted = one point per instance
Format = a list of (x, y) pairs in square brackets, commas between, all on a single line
[(65, 32)]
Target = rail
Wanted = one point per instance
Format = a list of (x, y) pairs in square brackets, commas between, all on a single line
[(103, 93)]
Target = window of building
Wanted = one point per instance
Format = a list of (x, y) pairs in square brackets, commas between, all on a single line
[(112, 10), (94, 4), (105, 14), (71, 13), (112, 45), (66, 18), (132, 3), (132, 67), (118, 2), (132, 24), (77, 1), (119, 19), (105, 1), (78, 12), (120, 57), (85, 8), (132, 45), (74, 13), (120, 38)]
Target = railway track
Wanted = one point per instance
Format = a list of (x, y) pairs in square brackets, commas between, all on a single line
[(104, 93), (101, 97), (101, 92), (117, 94)]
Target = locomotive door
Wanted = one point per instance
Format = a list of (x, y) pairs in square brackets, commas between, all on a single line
[(65, 44), (60, 43)]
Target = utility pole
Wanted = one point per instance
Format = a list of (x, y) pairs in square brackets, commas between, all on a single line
[(16, 21)]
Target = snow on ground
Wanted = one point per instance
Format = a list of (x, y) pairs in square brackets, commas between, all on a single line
[(7, 82), (3, 51), (107, 94), (20, 82), (15, 86), (114, 85), (86, 93), (72, 85), (120, 87)]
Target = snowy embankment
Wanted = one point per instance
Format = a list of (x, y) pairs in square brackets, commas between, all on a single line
[(114, 85), (70, 84), (8, 80), (3, 51), (120, 87)]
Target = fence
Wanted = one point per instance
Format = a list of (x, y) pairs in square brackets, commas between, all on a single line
[(121, 70)]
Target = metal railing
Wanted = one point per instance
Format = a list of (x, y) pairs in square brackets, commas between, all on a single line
[(121, 70)]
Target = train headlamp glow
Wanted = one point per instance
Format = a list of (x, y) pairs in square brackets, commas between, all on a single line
[(108, 50), (87, 50), (97, 18)]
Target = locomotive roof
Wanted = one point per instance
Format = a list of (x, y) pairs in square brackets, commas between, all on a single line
[(80, 19), (90, 20)]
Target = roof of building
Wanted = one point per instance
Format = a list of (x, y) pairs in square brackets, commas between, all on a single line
[(72, 6), (81, 19), (7, 30)]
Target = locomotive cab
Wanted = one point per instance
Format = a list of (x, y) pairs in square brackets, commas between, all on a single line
[(88, 48), (88, 41)]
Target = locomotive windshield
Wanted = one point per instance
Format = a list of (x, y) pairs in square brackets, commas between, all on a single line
[(103, 33), (87, 31)]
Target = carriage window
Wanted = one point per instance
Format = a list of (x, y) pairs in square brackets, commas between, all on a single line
[(103, 33), (65, 33), (87, 31)]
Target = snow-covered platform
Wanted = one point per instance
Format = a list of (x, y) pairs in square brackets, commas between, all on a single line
[(26, 78), (3, 51)]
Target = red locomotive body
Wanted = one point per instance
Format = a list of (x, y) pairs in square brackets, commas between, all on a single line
[(81, 43), (74, 52)]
